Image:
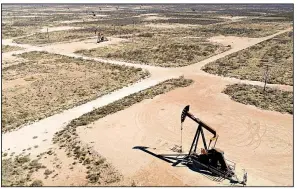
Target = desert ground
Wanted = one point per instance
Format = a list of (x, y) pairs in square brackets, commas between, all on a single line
[(80, 113)]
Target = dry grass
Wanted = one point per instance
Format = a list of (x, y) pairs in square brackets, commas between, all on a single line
[(56, 36), (250, 63), (9, 31), (98, 167), (247, 28), (271, 99), (192, 21), (50, 83), (159, 51), (18, 171), (8, 48), (87, 31)]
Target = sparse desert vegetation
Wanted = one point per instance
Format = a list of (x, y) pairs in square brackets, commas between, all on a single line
[(18, 171), (56, 36), (7, 48), (103, 142), (159, 51), (246, 28), (270, 99), (192, 21), (250, 63), (38, 88), (9, 31)]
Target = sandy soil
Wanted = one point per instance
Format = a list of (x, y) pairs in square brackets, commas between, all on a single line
[(156, 124), (234, 17), (64, 172), (60, 28), (170, 25), (8, 59), (149, 14), (155, 18), (231, 40)]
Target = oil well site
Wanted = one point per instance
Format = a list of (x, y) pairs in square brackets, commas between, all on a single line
[(147, 94)]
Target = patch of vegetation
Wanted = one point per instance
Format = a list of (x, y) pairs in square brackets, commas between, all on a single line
[(37, 183), (248, 28), (97, 166), (286, 16), (9, 31), (270, 19), (46, 78), (160, 51), (146, 34), (185, 15), (250, 63), (18, 171), (271, 99), (114, 22), (8, 48), (188, 21), (56, 36)]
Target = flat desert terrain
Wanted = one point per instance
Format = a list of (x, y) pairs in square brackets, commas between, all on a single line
[(92, 95)]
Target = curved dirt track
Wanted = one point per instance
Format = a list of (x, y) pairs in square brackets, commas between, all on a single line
[(155, 123)]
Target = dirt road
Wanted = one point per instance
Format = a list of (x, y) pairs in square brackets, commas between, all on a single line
[(155, 124)]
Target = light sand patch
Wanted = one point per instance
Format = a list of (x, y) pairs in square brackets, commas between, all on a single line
[(233, 18), (170, 25), (61, 28), (149, 18), (143, 15), (8, 59), (65, 172), (231, 40)]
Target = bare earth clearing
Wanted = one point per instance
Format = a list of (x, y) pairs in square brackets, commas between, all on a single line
[(100, 126)]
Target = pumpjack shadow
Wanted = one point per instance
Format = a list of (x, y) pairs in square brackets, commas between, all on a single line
[(210, 162)]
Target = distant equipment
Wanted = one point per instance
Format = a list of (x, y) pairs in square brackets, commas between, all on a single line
[(100, 37)]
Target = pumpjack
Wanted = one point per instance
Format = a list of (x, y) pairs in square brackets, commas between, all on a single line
[(209, 158)]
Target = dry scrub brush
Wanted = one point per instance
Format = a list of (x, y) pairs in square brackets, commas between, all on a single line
[(51, 83), (250, 63), (159, 50), (56, 36), (248, 28), (8, 48), (17, 171), (271, 99)]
